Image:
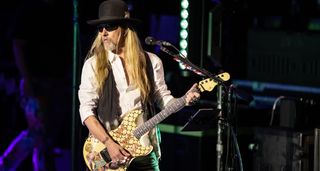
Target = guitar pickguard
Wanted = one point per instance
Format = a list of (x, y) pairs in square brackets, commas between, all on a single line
[(124, 136)]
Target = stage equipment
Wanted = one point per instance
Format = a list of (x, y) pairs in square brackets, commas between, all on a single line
[(224, 99)]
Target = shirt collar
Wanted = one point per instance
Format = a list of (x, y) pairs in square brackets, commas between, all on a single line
[(112, 56)]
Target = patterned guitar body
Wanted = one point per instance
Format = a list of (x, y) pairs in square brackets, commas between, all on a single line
[(124, 136)]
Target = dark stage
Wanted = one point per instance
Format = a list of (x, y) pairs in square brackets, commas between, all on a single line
[(269, 115)]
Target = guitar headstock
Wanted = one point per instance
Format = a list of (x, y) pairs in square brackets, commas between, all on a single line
[(209, 84)]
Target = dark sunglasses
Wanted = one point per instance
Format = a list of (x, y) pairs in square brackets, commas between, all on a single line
[(108, 27)]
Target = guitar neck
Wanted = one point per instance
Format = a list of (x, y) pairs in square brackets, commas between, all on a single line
[(176, 105), (173, 107)]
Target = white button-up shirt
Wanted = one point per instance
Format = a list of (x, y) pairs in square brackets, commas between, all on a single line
[(129, 96)]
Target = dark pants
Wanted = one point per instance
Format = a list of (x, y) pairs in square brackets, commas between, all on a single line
[(145, 163)]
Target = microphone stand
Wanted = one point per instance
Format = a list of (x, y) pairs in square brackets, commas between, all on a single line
[(219, 145), (202, 72), (192, 67)]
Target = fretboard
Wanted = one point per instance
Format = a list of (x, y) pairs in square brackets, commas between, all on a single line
[(174, 106)]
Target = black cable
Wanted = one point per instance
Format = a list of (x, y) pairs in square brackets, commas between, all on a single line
[(237, 148)]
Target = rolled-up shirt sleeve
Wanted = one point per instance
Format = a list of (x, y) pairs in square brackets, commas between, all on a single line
[(162, 94), (87, 93)]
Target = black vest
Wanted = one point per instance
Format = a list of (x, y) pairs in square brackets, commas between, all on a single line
[(108, 105)]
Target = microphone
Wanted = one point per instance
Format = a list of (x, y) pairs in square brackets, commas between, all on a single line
[(152, 41)]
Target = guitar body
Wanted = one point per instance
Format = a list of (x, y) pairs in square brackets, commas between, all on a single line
[(124, 136)]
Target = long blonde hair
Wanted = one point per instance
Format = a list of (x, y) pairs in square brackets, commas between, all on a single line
[(135, 60), (102, 65)]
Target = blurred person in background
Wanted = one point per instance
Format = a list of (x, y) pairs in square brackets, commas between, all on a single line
[(41, 39)]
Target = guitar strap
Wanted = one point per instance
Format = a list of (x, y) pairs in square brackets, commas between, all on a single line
[(149, 106)]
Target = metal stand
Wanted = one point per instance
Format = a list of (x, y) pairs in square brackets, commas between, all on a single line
[(219, 146)]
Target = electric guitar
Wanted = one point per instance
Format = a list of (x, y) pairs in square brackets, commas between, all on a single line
[(127, 134)]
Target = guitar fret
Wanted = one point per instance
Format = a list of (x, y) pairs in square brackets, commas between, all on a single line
[(151, 123), (175, 106)]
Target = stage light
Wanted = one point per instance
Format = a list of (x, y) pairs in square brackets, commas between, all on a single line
[(184, 14)]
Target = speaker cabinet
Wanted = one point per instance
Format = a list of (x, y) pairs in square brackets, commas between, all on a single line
[(277, 149), (311, 149)]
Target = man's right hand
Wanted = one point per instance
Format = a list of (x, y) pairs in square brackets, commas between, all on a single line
[(116, 152)]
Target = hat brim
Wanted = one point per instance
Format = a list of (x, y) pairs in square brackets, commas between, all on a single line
[(130, 21)]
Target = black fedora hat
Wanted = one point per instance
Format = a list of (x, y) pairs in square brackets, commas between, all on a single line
[(113, 11)]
